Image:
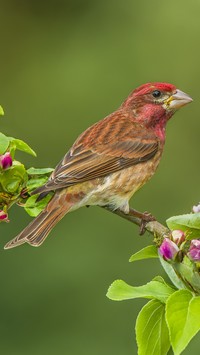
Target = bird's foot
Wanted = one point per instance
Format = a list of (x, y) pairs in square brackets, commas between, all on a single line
[(145, 217)]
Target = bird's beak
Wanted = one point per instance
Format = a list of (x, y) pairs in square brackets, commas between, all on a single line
[(177, 100)]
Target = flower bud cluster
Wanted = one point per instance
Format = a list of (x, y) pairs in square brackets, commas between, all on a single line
[(171, 246), (183, 253)]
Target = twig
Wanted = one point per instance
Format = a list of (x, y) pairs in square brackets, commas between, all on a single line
[(154, 227)]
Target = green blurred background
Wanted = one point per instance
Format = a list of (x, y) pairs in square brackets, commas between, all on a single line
[(64, 65)]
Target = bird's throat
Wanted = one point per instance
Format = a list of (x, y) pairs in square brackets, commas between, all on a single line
[(160, 132)]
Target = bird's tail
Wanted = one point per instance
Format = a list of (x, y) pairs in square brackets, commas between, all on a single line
[(37, 231)]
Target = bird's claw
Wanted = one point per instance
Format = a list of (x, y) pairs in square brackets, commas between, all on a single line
[(145, 218)]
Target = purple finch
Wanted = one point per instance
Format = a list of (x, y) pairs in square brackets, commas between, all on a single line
[(110, 161)]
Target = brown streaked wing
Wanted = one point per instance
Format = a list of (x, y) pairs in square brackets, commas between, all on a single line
[(103, 149)]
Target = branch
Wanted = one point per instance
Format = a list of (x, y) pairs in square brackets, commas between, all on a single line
[(157, 229)]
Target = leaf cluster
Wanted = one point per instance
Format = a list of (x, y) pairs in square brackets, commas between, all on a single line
[(17, 182), (172, 316)]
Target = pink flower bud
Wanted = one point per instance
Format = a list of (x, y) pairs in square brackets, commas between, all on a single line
[(5, 160), (178, 236), (194, 252), (168, 249), (196, 209), (3, 215)]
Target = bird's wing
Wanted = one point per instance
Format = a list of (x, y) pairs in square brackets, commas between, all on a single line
[(108, 146)]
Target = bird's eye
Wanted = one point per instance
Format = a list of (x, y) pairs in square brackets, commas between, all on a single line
[(156, 93)]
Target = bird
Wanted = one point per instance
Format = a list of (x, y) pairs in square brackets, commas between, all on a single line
[(109, 161)]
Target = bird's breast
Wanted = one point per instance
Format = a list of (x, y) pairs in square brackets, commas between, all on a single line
[(117, 188)]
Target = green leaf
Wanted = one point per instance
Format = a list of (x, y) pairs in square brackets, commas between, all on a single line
[(33, 208), (160, 279), (4, 143), (174, 277), (21, 145), (33, 184), (183, 318), (34, 171), (120, 290), (152, 334), (146, 253), (1, 111), (185, 222)]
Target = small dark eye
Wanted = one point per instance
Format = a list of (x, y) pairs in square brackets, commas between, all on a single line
[(156, 93)]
